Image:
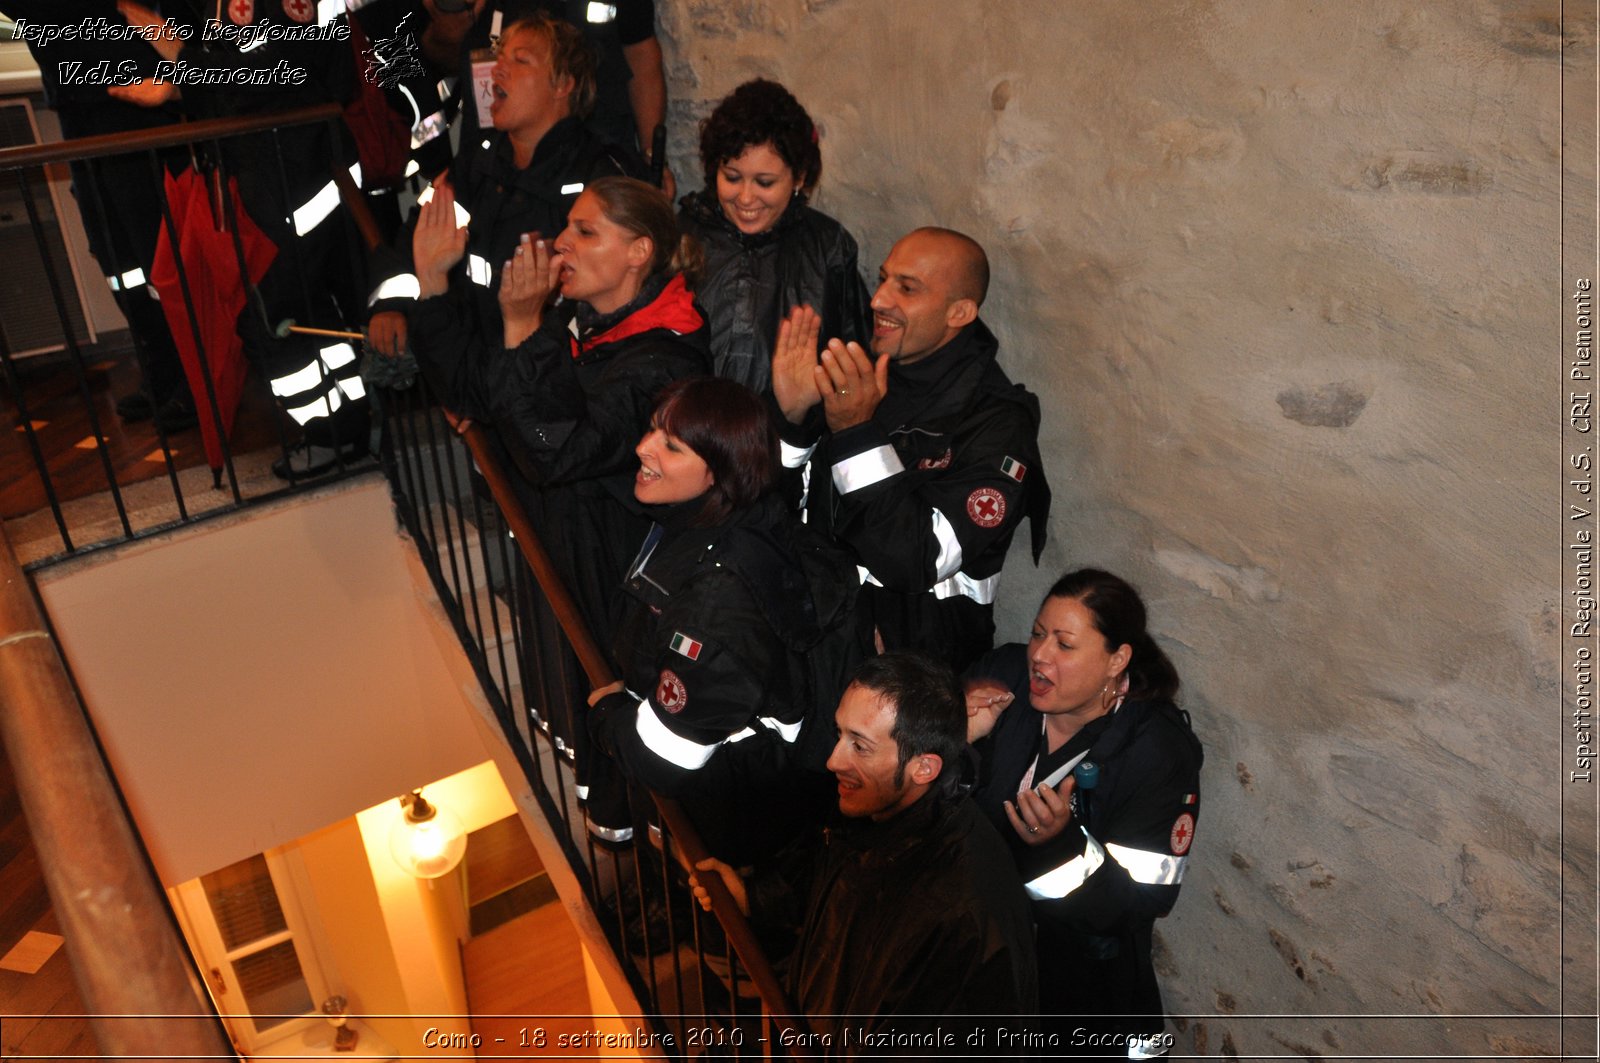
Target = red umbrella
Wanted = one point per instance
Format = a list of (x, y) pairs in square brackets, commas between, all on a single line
[(216, 291)]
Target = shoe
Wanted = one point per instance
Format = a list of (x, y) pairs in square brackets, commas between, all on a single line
[(313, 459), (177, 414), (138, 406)]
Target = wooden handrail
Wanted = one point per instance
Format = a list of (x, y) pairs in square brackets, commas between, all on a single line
[(126, 955), (166, 136), (598, 669)]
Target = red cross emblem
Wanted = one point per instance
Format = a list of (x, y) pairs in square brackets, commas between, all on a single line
[(986, 507), (671, 695), (299, 10), (1182, 834), (242, 12)]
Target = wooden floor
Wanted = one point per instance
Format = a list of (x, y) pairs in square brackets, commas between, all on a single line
[(51, 397)]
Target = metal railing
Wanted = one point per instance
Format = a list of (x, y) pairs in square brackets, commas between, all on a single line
[(154, 511), (492, 573)]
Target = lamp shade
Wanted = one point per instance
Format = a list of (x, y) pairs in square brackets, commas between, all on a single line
[(429, 841)]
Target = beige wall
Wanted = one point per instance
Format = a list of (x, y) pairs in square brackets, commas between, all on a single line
[(1285, 276), (255, 682)]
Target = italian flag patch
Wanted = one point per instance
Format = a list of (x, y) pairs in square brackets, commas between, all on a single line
[(1013, 468), (687, 646)]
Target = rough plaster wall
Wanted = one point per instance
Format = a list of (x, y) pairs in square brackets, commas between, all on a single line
[(1275, 270)]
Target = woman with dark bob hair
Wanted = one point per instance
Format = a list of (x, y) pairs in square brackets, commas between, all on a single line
[(1092, 775), (704, 712), (766, 251)]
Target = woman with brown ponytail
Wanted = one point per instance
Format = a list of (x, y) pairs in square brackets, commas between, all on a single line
[(1092, 775)]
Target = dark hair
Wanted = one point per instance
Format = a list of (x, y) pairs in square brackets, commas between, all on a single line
[(644, 210), (930, 709), (728, 426), (761, 112), (570, 56), (1119, 616)]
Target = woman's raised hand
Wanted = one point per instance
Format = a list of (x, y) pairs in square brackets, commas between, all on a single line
[(526, 281), (437, 244), (794, 360)]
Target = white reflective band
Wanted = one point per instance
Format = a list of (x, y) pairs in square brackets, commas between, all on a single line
[(862, 470), (355, 173), (672, 748), (478, 270), (400, 286), (794, 457), (486, 143), (496, 22), (611, 834), (320, 408), (416, 109), (962, 585), (446, 86), (338, 354), (314, 210), (302, 379), (412, 168), (1153, 869), (572, 189), (1057, 883), (949, 560), (601, 12), (867, 577), (1147, 1046), (353, 388), (131, 279), (463, 219), (786, 731), (151, 288), (328, 10), (583, 792)]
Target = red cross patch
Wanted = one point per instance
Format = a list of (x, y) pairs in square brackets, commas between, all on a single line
[(299, 10), (941, 462), (241, 12), (986, 507), (1182, 834), (671, 694)]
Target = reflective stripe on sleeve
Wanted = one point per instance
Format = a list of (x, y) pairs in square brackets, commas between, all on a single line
[(948, 562), (794, 457), (616, 835), (1150, 868), (479, 271), (1058, 882), (865, 469), (400, 286), (981, 591), (672, 748)]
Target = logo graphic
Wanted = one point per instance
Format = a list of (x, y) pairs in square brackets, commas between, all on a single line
[(671, 695), (393, 59), (986, 507), (1182, 834)]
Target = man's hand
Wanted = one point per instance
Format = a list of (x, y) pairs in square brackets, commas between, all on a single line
[(386, 333), (1041, 813), (437, 245), (794, 363), (526, 281), (986, 700), (146, 92), (142, 18), (730, 878), (850, 384)]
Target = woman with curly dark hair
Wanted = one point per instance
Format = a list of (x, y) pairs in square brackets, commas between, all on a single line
[(767, 251)]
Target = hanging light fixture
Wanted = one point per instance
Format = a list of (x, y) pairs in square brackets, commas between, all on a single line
[(428, 842)]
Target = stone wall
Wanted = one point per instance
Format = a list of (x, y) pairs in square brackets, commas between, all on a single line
[(1285, 277)]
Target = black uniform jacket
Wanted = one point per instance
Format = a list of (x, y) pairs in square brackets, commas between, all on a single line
[(750, 282), (502, 202), (905, 925), (708, 717), (929, 493), (1101, 883), (569, 409)]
